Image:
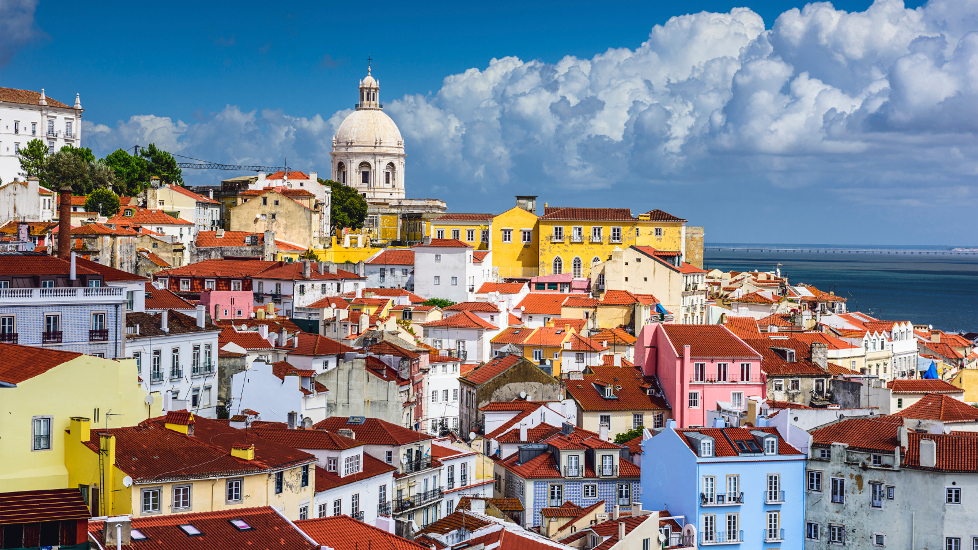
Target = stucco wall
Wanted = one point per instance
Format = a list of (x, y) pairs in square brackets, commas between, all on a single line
[(354, 392)]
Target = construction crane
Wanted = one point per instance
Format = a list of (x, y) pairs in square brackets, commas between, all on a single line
[(207, 165)]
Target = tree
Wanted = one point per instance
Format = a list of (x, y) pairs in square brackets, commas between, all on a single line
[(438, 302), (83, 153), (103, 201), (130, 173), (348, 208), (32, 160), (66, 169), (161, 164), (100, 175), (309, 255), (625, 437)]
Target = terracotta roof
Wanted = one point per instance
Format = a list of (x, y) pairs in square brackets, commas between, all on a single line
[(662, 257), (542, 304), (956, 451), (832, 342), (219, 268), (936, 406), (330, 302), (188, 193), (249, 340), (161, 298), (634, 445), (580, 343), (479, 256), (307, 439), (774, 364), (293, 272), (374, 431), (839, 370), (453, 522), (42, 505), (464, 217), (385, 347), (274, 324), (463, 319), (922, 386), (516, 405), (753, 298), (545, 466), (785, 405), (722, 446), (566, 510), (29, 264), (151, 324), (660, 216), (608, 531), (943, 349), (587, 214), (346, 533), (371, 467), (548, 337), (392, 292), (580, 301), (145, 216), (619, 298), (394, 257), (445, 243), (22, 363), (296, 193), (776, 319), (567, 324), (314, 345), (502, 288), (492, 369), (743, 327), (210, 239), (633, 394), (370, 301), (109, 274), (160, 262), (616, 335), (34, 228), (101, 229), (862, 434), (707, 341), (28, 97), (268, 529), (504, 504)]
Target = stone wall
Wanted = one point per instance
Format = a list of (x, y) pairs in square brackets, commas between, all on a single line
[(694, 246)]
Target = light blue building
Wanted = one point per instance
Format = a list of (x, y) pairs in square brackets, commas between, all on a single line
[(740, 487)]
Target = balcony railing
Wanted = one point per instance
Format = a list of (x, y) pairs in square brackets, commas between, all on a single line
[(384, 509), (412, 466), (606, 471), (573, 472), (615, 240), (722, 499), (458, 353), (596, 239), (357, 515), (722, 537), (773, 497), (32, 294), (176, 372), (577, 238), (556, 238), (202, 369), (98, 335), (156, 376), (8, 337), (679, 540), (451, 484), (773, 535), (408, 503), (728, 380), (52, 337)]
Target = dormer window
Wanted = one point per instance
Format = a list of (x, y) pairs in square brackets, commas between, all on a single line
[(706, 448), (770, 446), (789, 355), (609, 391)]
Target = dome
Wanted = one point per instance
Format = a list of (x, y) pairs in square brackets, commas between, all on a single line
[(366, 127), (368, 82)]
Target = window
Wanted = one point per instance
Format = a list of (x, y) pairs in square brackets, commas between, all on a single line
[(558, 265), (470, 235), (709, 527), (794, 384), (437, 280), (658, 231), (733, 527), (322, 510), (733, 488), (485, 236), (778, 385), (709, 489), (558, 234), (526, 236), (355, 504), (331, 464), (737, 400), (837, 534), (658, 420), (596, 233), (444, 395), (42, 433), (638, 420), (607, 465), (556, 495), (745, 372), (577, 234), (770, 446), (699, 372), (813, 531), (52, 323), (604, 420), (438, 258), (694, 399), (815, 481), (454, 281), (305, 476), (838, 490), (382, 494), (952, 543), (185, 285), (953, 495), (876, 495), (890, 490), (151, 500), (616, 234), (434, 396), (899, 402), (577, 268), (590, 490), (303, 512), (279, 482), (454, 392), (773, 526), (337, 507), (507, 235), (824, 454), (351, 465), (774, 488), (624, 494), (877, 460), (181, 497), (456, 234)]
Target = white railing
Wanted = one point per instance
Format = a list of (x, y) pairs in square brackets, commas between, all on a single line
[(58, 292), (61, 292), (16, 292)]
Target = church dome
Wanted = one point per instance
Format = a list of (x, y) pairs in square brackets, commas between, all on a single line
[(369, 127)]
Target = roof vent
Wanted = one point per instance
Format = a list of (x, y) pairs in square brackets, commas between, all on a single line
[(356, 420)]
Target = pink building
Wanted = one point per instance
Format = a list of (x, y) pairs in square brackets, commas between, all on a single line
[(699, 366), (227, 304)]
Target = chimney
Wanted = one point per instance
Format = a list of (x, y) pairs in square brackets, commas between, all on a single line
[(116, 531), (285, 335), (292, 419), (306, 269), (935, 336), (295, 340), (81, 428), (523, 434), (359, 293), (346, 432), (617, 360), (603, 433), (23, 234), (896, 457), (164, 321), (902, 434), (820, 355), (73, 270), (477, 506), (928, 453), (243, 451), (567, 428), (201, 312), (332, 268), (615, 514), (263, 330)]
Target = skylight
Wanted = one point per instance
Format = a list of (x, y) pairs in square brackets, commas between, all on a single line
[(190, 530), (136, 534), (240, 525)]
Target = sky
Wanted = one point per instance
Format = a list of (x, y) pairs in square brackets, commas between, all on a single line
[(771, 121)]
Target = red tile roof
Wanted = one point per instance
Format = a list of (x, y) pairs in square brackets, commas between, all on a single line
[(445, 243), (580, 343), (102, 229), (479, 255), (42, 505), (936, 406), (109, 274), (22, 363), (785, 405), (508, 434), (330, 302), (502, 288), (516, 405), (28, 97), (832, 342), (210, 239), (545, 465), (634, 445), (660, 216), (614, 336), (161, 298), (587, 214), (774, 365), (373, 431), (249, 340), (485, 307), (839, 370), (269, 529), (566, 510), (464, 319), (722, 446), (394, 257), (293, 175), (607, 531), (580, 301), (159, 262), (464, 217), (548, 337), (307, 439), (861, 434), (632, 395), (956, 451), (188, 193), (219, 268), (145, 216), (371, 467), (753, 298), (743, 327), (314, 345), (707, 341), (568, 324), (492, 369), (776, 319), (453, 522), (542, 304), (28, 264), (922, 386), (293, 272)]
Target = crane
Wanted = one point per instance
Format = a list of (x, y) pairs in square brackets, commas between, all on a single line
[(207, 165)]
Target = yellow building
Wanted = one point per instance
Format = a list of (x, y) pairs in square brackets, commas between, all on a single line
[(181, 463), (372, 306), (472, 229), (968, 380), (292, 214), (574, 239), (40, 391), (516, 240), (545, 346)]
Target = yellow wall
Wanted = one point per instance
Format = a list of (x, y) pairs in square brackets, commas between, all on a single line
[(621, 421), (462, 228), (293, 222), (339, 254), (967, 379), (514, 259), (74, 388)]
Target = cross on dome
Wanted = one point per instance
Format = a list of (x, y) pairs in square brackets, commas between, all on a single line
[(369, 90)]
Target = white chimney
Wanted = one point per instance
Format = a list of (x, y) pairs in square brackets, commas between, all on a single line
[(200, 315), (928, 453), (165, 320), (617, 360), (523, 435), (263, 330), (477, 506), (72, 271), (603, 433), (295, 341)]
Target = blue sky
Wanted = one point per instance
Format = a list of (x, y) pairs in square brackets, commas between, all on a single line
[(848, 123)]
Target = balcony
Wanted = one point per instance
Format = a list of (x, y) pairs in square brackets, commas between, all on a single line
[(98, 335), (156, 377), (722, 499), (62, 295), (8, 337), (384, 509), (773, 497), (51, 337), (202, 369), (721, 537), (606, 471), (412, 466), (556, 238), (176, 373), (773, 535), (409, 503), (357, 515), (573, 472), (679, 540), (577, 238), (458, 353)]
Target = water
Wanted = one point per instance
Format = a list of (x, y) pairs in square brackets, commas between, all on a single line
[(925, 285)]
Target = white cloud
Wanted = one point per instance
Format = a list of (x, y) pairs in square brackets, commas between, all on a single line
[(855, 105), (17, 27)]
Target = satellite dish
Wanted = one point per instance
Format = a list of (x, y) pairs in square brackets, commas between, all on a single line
[(149, 401), (404, 459), (522, 395), (127, 481), (472, 436), (662, 537)]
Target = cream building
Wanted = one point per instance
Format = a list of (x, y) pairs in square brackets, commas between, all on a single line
[(368, 150)]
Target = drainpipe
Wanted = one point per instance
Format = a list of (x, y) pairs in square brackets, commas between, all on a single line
[(118, 536)]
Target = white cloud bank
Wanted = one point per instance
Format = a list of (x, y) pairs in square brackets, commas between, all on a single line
[(877, 108)]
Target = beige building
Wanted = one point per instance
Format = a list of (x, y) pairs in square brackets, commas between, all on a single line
[(292, 214), (615, 399), (204, 212)]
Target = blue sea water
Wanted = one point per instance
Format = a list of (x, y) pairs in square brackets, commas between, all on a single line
[(925, 285)]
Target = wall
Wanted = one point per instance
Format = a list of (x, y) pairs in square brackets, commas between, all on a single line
[(694, 246), (522, 377), (206, 384), (227, 304), (293, 222), (354, 392), (228, 367), (514, 259), (621, 421)]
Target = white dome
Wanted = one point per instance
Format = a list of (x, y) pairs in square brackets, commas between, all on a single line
[(368, 82), (366, 126)]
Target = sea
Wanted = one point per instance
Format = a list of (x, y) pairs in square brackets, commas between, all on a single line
[(927, 285)]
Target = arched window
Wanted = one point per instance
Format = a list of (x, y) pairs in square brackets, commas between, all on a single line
[(365, 173), (389, 176), (595, 261), (577, 267), (341, 172), (558, 266)]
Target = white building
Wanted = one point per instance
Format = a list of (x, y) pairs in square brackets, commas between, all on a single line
[(26, 115), (25, 201), (301, 284), (442, 390), (463, 335), (203, 212), (176, 355), (368, 150), (450, 269), (459, 467), (275, 390), (512, 293), (391, 268)]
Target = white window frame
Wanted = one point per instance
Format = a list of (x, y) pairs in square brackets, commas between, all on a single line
[(42, 420), (189, 494), (507, 235), (154, 507)]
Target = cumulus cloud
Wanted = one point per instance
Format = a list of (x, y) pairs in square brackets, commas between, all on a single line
[(17, 27), (880, 103)]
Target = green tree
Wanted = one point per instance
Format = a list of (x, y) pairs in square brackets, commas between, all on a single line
[(66, 169), (438, 302), (161, 164), (348, 208), (100, 175), (131, 176), (83, 153), (309, 255), (103, 201), (32, 160), (625, 437)]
